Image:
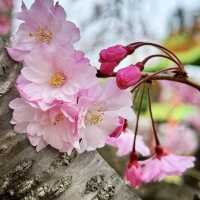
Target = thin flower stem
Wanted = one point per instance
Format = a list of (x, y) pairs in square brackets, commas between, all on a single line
[(138, 116), (151, 115), (165, 50), (160, 55), (147, 78)]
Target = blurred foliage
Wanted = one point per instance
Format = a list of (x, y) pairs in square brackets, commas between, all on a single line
[(165, 111), (185, 48)]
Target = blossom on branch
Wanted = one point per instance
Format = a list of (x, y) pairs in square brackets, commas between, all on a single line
[(44, 24), (99, 109), (55, 74), (53, 127)]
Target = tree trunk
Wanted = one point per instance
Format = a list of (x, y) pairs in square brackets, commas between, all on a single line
[(28, 175)]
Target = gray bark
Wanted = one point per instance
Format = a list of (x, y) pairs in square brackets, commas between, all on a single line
[(28, 175)]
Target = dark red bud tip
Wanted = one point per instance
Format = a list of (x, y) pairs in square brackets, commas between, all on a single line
[(140, 65), (160, 151), (133, 156), (130, 49)]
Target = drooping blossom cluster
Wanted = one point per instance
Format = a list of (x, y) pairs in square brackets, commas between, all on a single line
[(63, 104), (157, 167), (163, 162)]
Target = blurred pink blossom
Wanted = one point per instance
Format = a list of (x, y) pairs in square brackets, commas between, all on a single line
[(170, 138), (180, 92), (6, 5), (4, 25)]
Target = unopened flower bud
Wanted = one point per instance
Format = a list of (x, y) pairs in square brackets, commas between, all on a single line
[(111, 57), (128, 76)]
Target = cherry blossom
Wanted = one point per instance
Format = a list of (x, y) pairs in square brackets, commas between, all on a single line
[(164, 164), (99, 112), (54, 74), (133, 174), (53, 127), (171, 134), (4, 25), (43, 24), (122, 138), (5, 5)]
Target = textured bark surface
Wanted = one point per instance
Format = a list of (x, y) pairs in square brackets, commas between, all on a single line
[(28, 175)]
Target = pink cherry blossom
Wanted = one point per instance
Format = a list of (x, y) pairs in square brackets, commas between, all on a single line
[(99, 112), (54, 74), (53, 127), (4, 25), (43, 24), (128, 76), (179, 92), (111, 57), (133, 174), (122, 138), (171, 134), (6, 5), (165, 164), (124, 143)]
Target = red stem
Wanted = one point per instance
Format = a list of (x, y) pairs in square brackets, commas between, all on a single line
[(159, 55), (165, 50), (152, 75)]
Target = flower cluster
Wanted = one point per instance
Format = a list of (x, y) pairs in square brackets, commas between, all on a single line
[(63, 104)]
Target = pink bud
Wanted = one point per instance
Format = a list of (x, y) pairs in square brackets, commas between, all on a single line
[(128, 76), (108, 67), (111, 57), (113, 54)]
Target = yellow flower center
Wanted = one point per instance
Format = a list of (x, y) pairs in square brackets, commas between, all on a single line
[(93, 117), (58, 118), (57, 79), (42, 35)]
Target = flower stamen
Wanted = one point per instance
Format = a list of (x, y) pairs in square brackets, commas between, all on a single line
[(57, 79), (42, 35), (93, 117)]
